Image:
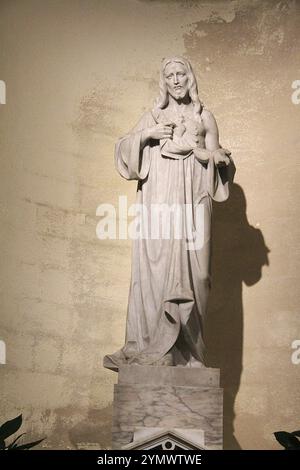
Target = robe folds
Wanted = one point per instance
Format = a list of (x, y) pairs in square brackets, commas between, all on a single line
[(170, 279)]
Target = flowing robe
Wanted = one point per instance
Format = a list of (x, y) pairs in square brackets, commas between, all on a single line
[(170, 283)]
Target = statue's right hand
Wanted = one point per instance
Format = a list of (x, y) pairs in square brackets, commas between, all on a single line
[(161, 131)]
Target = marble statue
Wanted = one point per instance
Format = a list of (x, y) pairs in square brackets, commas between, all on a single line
[(175, 155)]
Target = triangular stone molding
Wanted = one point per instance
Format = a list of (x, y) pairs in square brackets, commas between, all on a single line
[(167, 439)]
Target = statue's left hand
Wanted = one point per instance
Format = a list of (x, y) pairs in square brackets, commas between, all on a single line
[(221, 157)]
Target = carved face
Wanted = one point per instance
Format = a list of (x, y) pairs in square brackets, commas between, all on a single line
[(176, 80)]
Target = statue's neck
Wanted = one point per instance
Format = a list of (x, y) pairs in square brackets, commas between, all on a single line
[(180, 105)]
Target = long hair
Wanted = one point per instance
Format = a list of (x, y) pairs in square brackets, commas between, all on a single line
[(163, 99)]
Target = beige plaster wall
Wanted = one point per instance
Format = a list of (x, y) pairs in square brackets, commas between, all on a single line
[(79, 74)]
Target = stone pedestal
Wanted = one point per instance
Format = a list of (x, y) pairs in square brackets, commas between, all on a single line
[(181, 401)]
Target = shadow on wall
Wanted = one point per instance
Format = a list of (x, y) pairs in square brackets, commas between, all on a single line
[(238, 255)]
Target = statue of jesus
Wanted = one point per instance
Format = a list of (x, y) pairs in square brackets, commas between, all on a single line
[(175, 155)]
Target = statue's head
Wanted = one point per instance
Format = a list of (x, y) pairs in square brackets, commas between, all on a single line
[(178, 80)]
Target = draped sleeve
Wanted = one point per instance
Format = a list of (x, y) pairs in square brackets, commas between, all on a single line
[(132, 160), (219, 179)]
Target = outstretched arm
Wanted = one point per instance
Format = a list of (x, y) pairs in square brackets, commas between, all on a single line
[(220, 155)]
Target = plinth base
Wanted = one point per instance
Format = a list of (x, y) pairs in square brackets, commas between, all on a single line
[(171, 399)]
